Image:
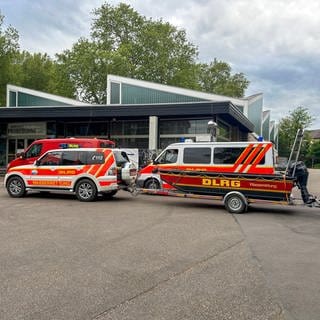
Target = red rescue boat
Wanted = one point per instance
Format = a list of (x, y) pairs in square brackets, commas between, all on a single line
[(275, 187)]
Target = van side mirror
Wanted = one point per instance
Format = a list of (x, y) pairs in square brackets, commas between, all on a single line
[(21, 155), (37, 163), (153, 157)]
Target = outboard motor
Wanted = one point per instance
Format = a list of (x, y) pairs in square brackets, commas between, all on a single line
[(299, 171)]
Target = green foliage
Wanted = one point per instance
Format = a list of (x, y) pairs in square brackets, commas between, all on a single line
[(216, 77), (313, 155), (125, 43), (39, 72), (8, 50), (288, 127), (87, 67)]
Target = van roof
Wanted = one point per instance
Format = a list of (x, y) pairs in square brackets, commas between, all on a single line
[(72, 139), (229, 143), (80, 149)]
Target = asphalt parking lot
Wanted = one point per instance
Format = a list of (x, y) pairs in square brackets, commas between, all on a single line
[(154, 257)]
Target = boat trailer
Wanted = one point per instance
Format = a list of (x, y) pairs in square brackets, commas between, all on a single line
[(237, 201)]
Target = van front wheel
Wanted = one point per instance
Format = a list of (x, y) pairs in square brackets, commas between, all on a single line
[(86, 190), (16, 187), (152, 183)]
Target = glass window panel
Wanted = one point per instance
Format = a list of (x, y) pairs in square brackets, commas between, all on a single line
[(115, 93), (94, 157), (136, 142), (197, 155), (71, 158), (227, 155), (130, 127), (12, 99), (86, 129), (224, 131), (51, 159), (183, 126)]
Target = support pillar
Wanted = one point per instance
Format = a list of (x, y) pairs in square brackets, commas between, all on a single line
[(153, 133)]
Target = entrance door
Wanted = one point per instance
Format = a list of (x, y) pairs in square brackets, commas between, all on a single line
[(15, 146)]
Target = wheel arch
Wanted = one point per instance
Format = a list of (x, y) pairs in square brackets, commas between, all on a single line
[(12, 175), (85, 177), (152, 178)]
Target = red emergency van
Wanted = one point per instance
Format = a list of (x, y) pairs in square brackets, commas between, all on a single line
[(86, 172), (38, 147)]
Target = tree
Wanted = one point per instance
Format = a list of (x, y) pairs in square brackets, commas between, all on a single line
[(125, 43), (299, 118), (152, 50), (313, 156), (39, 72), (216, 77), (8, 49)]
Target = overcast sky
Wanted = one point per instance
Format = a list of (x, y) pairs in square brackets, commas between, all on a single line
[(275, 43)]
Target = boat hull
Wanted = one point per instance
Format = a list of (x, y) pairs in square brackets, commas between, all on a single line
[(267, 187)]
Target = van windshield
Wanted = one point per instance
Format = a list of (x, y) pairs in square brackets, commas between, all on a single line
[(168, 156), (34, 151)]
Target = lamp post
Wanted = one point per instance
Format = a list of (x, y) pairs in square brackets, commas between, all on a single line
[(212, 128)]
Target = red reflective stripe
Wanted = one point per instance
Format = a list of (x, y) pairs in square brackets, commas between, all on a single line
[(107, 183), (243, 155), (105, 167), (250, 158)]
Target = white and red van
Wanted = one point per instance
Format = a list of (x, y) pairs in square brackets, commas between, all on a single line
[(39, 147), (235, 157), (86, 172)]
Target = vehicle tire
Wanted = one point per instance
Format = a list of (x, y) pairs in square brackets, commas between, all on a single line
[(109, 195), (152, 184), (235, 202), (86, 190), (16, 187)]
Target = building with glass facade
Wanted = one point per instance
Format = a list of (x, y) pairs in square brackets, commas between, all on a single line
[(138, 114)]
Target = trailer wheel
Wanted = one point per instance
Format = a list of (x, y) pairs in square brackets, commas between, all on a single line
[(16, 187), (86, 190), (152, 183), (235, 202)]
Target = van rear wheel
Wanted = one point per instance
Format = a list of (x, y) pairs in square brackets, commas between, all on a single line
[(86, 190)]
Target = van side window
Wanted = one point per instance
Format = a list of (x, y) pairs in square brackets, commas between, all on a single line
[(51, 159), (34, 151), (94, 157), (226, 155), (169, 156), (72, 158), (197, 155), (121, 157)]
